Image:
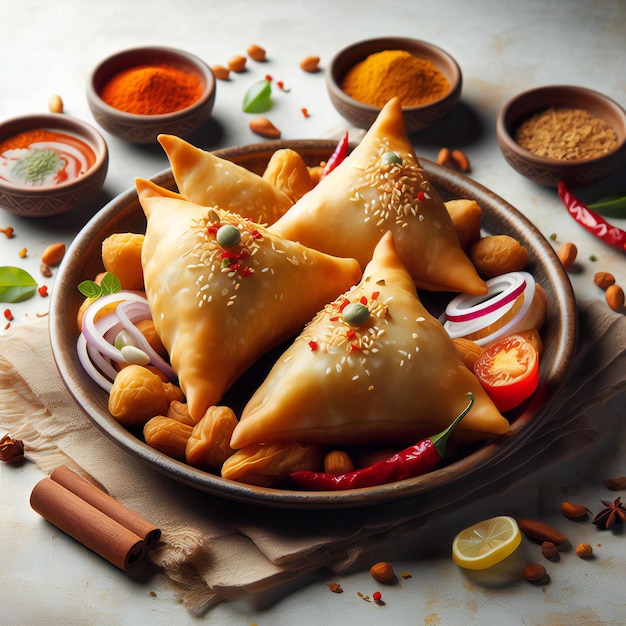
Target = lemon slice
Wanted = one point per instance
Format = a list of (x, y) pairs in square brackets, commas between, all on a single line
[(486, 543)]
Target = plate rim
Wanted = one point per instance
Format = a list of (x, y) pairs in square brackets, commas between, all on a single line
[(563, 347)]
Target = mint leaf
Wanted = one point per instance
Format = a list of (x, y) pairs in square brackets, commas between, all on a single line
[(16, 285)]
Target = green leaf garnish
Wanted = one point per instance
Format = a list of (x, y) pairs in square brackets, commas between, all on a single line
[(258, 97), (16, 285), (110, 284), (610, 206)]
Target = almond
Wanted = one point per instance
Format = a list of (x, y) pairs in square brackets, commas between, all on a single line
[(55, 104), (460, 160), (45, 270), (534, 572), (615, 297), (539, 531), (220, 72), (263, 127), (382, 572), (603, 279), (237, 63), (256, 53), (338, 462), (615, 484), (53, 254), (444, 157), (549, 550), (567, 255), (310, 64), (573, 511)]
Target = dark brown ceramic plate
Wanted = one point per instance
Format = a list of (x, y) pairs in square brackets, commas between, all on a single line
[(124, 214)]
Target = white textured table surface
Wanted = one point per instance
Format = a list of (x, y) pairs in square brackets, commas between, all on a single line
[(503, 47)]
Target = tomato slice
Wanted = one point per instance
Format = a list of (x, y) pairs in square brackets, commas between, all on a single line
[(508, 370)]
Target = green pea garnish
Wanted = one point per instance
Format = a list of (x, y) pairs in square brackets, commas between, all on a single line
[(258, 97), (228, 236), (355, 314), (392, 158)]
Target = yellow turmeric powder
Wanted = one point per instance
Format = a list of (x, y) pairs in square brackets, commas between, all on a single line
[(383, 75)]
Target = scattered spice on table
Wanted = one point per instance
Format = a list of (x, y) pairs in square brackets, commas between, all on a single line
[(383, 75), (152, 90), (8, 231), (11, 450), (612, 513), (563, 133)]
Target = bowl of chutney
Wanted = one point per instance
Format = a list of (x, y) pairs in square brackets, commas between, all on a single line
[(50, 164)]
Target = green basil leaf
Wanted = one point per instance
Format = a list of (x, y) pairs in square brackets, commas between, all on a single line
[(610, 206), (90, 289), (258, 98), (16, 284), (110, 284)]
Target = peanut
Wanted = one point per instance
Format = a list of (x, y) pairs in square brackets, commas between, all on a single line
[(263, 127), (256, 53), (540, 531), (55, 104), (615, 297), (53, 254), (573, 511), (603, 280), (338, 462), (584, 550), (534, 572), (310, 64), (567, 255), (383, 572), (460, 160), (45, 270), (549, 550), (220, 72), (237, 63)]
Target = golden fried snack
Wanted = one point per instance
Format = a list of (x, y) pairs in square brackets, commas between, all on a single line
[(209, 444), (223, 290), (466, 216), (381, 187), (206, 179), (121, 255), (494, 255), (288, 172), (372, 367)]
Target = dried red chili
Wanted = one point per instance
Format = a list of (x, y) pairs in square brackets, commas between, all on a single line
[(591, 221), (415, 460), (340, 153)]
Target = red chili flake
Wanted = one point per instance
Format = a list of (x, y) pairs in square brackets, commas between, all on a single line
[(8, 231), (344, 303), (305, 111), (213, 229), (350, 334), (8, 315), (7, 326), (256, 234), (234, 267), (363, 300), (313, 345), (376, 596), (421, 196), (268, 77), (355, 347), (375, 295), (245, 272), (230, 255), (43, 291), (334, 318), (244, 254), (281, 85)]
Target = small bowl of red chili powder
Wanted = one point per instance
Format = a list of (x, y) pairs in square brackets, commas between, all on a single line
[(139, 93), (365, 75), (562, 132), (49, 164)]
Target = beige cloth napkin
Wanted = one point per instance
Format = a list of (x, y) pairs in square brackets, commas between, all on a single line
[(213, 549)]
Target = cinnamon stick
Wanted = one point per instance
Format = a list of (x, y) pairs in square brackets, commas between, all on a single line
[(100, 500), (85, 523)]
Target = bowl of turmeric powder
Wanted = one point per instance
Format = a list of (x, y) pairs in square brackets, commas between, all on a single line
[(365, 75), (562, 132), (137, 94)]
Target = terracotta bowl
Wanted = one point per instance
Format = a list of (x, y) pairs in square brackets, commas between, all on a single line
[(415, 117), (546, 171), (49, 200), (144, 129), (465, 472)]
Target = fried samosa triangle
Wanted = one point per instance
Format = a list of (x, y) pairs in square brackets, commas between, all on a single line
[(373, 367), (381, 186), (223, 290), (209, 180)]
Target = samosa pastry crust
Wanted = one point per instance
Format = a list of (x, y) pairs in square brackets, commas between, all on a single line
[(209, 180), (396, 377), (381, 187), (223, 290)]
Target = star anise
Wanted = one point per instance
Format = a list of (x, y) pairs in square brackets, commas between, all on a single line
[(614, 512)]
